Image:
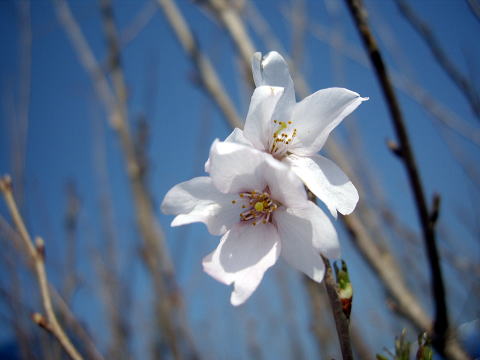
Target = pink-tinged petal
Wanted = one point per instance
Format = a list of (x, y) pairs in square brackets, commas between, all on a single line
[(236, 136), (297, 237), (325, 238), (259, 123), (318, 114), (235, 168), (284, 185), (242, 257), (197, 200), (327, 181)]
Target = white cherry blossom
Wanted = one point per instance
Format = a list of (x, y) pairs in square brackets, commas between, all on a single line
[(261, 209), (295, 132)]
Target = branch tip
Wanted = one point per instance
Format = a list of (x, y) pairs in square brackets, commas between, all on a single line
[(6, 183), (395, 148), (40, 247), (41, 321)]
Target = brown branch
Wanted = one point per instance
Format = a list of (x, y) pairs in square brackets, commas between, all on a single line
[(409, 87), (424, 31), (341, 321), (37, 255), (438, 289)]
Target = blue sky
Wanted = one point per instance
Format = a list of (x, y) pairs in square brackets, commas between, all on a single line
[(68, 132)]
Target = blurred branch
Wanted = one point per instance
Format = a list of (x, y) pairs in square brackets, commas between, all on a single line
[(36, 253), (424, 31), (208, 76), (114, 292), (169, 304), (139, 22), (408, 86), (299, 25), (228, 17), (71, 222), (474, 7), (428, 227), (21, 123)]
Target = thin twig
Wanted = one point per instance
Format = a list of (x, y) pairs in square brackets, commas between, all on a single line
[(424, 31), (37, 254), (407, 85), (438, 289), (341, 321), (63, 310)]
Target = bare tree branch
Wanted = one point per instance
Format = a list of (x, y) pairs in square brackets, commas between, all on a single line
[(36, 253), (428, 227), (463, 84), (207, 74), (169, 304)]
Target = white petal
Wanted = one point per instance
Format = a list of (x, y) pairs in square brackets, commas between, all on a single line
[(242, 257), (327, 181), (236, 136), (259, 123), (272, 70), (296, 235), (318, 114), (284, 185), (325, 238), (197, 200), (235, 168)]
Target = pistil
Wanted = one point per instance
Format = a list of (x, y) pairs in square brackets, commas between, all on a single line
[(259, 207)]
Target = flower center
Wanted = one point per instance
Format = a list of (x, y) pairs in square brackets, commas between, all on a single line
[(258, 207), (283, 136)]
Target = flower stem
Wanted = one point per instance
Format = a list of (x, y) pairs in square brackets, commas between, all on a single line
[(342, 323)]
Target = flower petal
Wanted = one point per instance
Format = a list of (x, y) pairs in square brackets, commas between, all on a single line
[(235, 168), (327, 181), (296, 235), (318, 114), (284, 185), (242, 257), (272, 70), (259, 123), (325, 238), (197, 200), (236, 136)]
